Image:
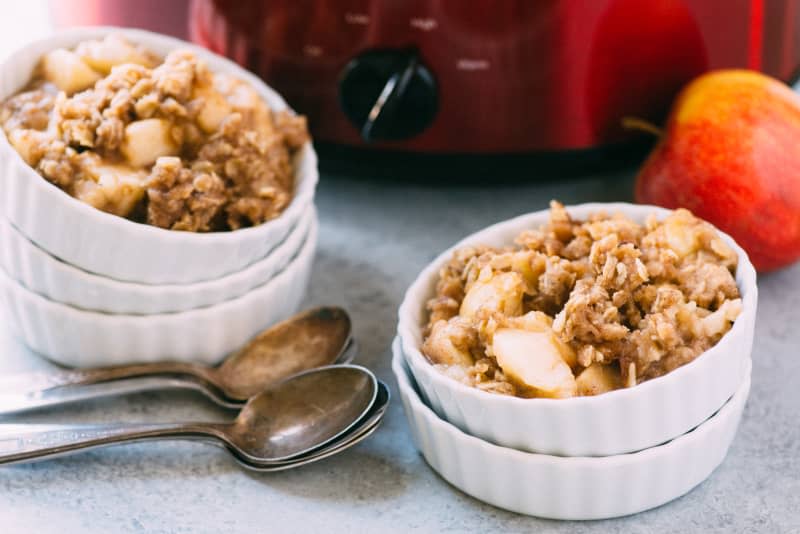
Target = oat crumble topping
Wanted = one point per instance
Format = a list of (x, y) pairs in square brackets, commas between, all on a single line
[(583, 307)]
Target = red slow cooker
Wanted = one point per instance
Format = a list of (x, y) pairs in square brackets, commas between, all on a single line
[(484, 76)]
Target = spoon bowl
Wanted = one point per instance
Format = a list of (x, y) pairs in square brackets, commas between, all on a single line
[(304, 412), (359, 432), (308, 340)]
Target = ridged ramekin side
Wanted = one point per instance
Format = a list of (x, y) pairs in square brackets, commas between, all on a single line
[(31, 266), (80, 338), (569, 487)]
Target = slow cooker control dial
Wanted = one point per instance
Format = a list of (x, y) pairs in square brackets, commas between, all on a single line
[(388, 94)]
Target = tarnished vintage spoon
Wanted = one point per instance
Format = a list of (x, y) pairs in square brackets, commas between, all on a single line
[(358, 433), (314, 338), (287, 420)]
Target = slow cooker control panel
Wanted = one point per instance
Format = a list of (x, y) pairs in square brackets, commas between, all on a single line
[(388, 94)]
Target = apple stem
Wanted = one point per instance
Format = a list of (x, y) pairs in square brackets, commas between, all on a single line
[(641, 125)]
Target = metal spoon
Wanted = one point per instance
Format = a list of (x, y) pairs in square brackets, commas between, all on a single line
[(314, 338), (290, 419), (360, 431)]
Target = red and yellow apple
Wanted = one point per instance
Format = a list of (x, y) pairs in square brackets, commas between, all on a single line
[(730, 152)]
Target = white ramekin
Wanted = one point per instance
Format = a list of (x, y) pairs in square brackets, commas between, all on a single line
[(559, 487), (113, 246), (83, 339), (617, 422), (61, 282)]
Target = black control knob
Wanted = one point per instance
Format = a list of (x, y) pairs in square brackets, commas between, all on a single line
[(388, 94)]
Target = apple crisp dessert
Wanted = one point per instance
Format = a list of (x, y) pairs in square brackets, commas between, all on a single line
[(164, 142), (580, 308)]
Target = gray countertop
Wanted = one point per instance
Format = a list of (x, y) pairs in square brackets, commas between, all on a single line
[(375, 237)]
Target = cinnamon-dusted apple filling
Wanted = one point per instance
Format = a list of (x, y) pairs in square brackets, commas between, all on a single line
[(583, 307), (165, 142)]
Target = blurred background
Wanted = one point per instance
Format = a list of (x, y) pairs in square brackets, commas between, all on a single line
[(426, 87)]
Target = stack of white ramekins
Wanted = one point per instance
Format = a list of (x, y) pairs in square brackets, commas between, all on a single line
[(581, 458), (86, 288)]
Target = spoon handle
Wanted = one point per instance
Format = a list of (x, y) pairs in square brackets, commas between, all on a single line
[(30, 391), (69, 377), (26, 443), (21, 401)]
